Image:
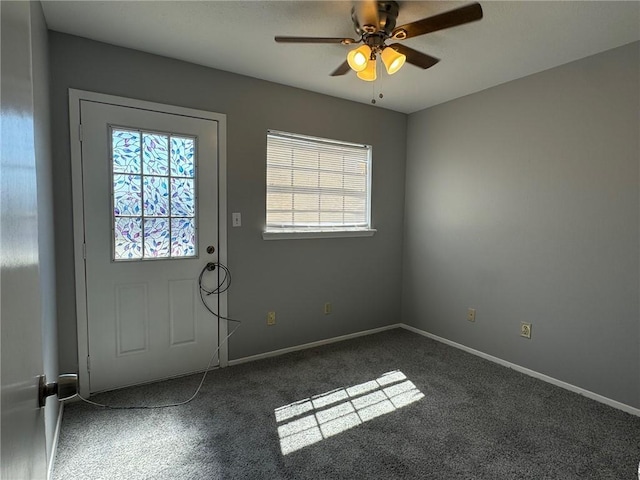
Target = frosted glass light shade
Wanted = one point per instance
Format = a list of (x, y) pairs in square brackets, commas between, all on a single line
[(393, 61), (369, 73), (359, 58)]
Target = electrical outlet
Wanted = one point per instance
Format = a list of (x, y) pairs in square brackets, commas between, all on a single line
[(471, 314), (327, 308), (525, 330), (271, 318)]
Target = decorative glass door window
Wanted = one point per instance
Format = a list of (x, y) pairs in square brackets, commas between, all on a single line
[(153, 195)]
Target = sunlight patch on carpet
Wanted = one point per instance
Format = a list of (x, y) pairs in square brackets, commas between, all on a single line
[(311, 420)]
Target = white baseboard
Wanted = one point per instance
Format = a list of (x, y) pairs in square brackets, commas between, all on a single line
[(532, 373), (559, 383), (56, 436), (304, 346)]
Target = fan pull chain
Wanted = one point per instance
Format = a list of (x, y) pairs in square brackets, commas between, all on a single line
[(373, 91), (373, 87)]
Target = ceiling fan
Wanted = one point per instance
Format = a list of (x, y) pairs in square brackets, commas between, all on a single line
[(375, 23)]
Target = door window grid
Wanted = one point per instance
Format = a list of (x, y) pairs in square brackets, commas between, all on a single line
[(153, 195)]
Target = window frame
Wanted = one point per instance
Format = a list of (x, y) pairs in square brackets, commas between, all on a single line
[(304, 232)]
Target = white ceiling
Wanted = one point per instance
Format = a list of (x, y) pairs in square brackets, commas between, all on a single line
[(514, 39)]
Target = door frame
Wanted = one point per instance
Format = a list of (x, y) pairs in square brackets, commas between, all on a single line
[(75, 134)]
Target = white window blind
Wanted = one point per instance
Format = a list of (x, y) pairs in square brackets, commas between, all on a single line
[(315, 184)]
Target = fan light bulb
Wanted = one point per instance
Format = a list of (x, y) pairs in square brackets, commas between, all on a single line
[(359, 58), (369, 73), (393, 61)]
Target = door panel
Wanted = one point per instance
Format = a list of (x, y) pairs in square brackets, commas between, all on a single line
[(145, 318), (132, 318), (182, 311), (23, 433)]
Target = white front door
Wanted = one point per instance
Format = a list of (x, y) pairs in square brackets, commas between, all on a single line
[(150, 202)]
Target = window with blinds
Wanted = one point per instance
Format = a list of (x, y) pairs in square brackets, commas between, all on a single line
[(317, 185)]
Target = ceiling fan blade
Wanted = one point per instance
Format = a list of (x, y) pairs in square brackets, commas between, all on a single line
[(415, 57), (452, 18), (367, 13), (343, 69), (343, 41)]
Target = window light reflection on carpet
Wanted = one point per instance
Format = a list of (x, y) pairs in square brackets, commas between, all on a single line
[(311, 420)]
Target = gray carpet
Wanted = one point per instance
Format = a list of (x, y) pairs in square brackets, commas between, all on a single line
[(390, 405)]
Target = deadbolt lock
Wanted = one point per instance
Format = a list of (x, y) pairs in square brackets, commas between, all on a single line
[(211, 249)]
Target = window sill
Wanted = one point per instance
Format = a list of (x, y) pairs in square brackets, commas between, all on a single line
[(326, 234)]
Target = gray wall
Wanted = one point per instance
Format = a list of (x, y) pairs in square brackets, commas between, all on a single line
[(44, 174), (522, 201), (360, 276)]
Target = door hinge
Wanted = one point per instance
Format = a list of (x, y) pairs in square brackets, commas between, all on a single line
[(88, 363), (80, 136), (84, 251)]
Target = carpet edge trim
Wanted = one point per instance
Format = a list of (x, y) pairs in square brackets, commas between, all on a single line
[(532, 373), (304, 346)]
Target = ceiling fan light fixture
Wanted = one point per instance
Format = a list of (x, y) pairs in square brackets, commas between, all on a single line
[(375, 22), (393, 60), (369, 73), (358, 58)]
